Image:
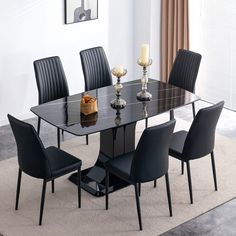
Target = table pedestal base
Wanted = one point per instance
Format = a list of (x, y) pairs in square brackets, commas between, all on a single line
[(95, 187), (113, 142)]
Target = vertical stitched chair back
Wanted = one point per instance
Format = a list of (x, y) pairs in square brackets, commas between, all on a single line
[(95, 68), (31, 153), (151, 159), (185, 69), (200, 139), (51, 79)]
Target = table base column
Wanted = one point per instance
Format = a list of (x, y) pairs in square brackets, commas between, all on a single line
[(113, 142)]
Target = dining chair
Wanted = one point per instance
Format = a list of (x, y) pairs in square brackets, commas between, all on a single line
[(184, 72), (51, 83), (39, 162), (148, 162), (96, 69), (184, 75), (198, 142)]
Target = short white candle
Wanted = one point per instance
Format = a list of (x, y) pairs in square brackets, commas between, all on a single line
[(144, 57), (119, 69)]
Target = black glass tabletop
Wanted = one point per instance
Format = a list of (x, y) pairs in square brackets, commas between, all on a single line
[(65, 112)]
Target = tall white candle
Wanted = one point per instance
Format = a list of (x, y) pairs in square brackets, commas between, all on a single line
[(144, 57)]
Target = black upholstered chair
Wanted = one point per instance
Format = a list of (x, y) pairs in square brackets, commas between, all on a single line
[(184, 72), (51, 83), (96, 69), (198, 142), (148, 162), (36, 161)]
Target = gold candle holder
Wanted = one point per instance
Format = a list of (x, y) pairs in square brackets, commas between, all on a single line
[(118, 103), (144, 95)]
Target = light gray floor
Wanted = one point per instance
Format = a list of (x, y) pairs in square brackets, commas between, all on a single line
[(219, 221)]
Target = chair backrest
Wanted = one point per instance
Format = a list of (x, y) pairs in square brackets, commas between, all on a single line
[(51, 79), (95, 67), (31, 153), (151, 159), (200, 139), (185, 69)]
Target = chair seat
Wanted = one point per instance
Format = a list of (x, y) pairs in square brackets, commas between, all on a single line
[(177, 144), (61, 162), (121, 165)]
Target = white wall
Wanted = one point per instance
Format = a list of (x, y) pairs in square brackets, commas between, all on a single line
[(32, 29), (147, 30), (132, 23), (213, 34), (121, 31)]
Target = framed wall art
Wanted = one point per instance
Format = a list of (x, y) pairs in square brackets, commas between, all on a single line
[(80, 10)]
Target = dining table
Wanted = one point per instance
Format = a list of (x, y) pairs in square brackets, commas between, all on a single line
[(116, 126)]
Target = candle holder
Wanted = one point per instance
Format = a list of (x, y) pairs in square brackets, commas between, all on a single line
[(144, 95), (144, 110), (118, 103), (117, 120)]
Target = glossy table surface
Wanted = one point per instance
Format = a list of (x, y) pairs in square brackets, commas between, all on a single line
[(65, 113)]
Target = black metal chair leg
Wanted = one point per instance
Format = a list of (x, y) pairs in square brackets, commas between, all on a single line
[(62, 132), (58, 138), (168, 193), (87, 139), (189, 182), (107, 186), (42, 202), (214, 169), (193, 108), (39, 123), (18, 188), (139, 189), (172, 116), (138, 206), (53, 190), (155, 183), (146, 123), (79, 187), (182, 167)]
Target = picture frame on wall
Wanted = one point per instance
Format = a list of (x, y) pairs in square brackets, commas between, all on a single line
[(80, 10)]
